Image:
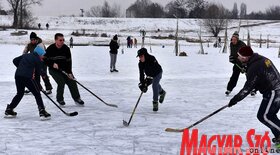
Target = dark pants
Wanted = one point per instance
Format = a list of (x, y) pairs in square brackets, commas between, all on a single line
[(234, 78), (61, 80), (268, 110), (156, 86), (47, 80), (21, 83)]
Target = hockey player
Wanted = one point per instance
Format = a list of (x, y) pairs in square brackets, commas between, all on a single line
[(29, 69), (36, 41), (58, 57), (261, 75), (148, 65), (235, 45)]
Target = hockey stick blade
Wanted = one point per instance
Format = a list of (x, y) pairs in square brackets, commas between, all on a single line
[(125, 123), (73, 113), (111, 105), (174, 130)]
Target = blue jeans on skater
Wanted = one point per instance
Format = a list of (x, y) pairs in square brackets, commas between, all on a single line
[(156, 86)]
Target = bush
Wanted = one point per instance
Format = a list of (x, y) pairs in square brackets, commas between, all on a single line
[(183, 54), (104, 35)]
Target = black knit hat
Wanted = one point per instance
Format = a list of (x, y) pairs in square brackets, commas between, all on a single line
[(33, 35), (115, 37), (142, 51), (236, 35)]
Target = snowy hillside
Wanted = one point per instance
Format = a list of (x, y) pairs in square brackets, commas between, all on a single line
[(188, 28)]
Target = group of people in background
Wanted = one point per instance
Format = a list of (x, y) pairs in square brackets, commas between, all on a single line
[(47, 26), (131, 41)]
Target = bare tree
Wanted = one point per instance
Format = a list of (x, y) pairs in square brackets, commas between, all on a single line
[(234, 11), (104, 11), (18, 8), (243, 10), (94, 11), (215, 18), (196, 8), (178, 8), (273, 13), (145, 9)]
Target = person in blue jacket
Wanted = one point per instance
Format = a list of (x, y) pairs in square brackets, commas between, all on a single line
[(28, 72)]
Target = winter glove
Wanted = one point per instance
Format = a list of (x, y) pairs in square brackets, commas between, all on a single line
[(143, 87), (242, 70), (232, 59), (232, 102), (148, 80)]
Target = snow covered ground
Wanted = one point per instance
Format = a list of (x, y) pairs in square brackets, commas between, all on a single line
[(195, 87)]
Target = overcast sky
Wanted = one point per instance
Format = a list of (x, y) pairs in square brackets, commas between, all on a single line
[(72, 7)]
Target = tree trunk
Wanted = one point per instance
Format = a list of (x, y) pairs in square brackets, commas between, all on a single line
[(15, 23)]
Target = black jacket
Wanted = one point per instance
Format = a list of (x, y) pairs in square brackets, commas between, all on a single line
[(114, 46), (28, 65), (233, 52), (261, 75), (150, 67), (60, 56)]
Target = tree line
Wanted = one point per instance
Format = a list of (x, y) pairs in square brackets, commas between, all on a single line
[(147, 9), (182, 9)]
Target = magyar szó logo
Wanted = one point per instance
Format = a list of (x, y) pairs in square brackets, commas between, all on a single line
[(192, 144)]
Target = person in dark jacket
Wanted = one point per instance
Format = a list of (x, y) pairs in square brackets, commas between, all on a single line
[(36, 41), (114, 46), (149, 66), (235, 45), (58, 58), (29, 69), (263, 76)]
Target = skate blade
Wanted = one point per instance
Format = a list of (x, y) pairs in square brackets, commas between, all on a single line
[(9, 116), (42, 118)]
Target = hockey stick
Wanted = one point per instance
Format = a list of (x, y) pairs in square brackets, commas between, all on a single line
[(111, 105), (75, 113), (124, 122), (206, 117)]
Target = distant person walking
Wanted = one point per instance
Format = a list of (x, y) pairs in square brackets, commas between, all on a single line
[(114, 46), (135, 43), (71, 42), (39, 26), (128, 41), (47, 26)]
